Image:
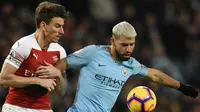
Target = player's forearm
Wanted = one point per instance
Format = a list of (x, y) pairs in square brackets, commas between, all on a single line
[(61, 85), (11, 80), (61, 79), (161, 78)]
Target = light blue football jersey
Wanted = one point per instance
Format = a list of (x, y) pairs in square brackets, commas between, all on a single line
[(101, 78)]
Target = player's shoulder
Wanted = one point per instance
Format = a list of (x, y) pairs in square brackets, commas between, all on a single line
[(97, 47), (24, 41), (133, 61), (55, 47), (91, 49)]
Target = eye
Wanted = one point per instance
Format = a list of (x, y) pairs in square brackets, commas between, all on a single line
[(57, 26), (132, 44), (123, 44)]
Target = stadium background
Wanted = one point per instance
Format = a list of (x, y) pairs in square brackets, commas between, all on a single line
[(168, 39)]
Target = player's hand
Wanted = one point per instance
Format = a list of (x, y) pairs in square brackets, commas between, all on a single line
[(49, 84), (188, 90), (48, 71)]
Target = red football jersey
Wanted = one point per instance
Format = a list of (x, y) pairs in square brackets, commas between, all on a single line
[(26, 55)]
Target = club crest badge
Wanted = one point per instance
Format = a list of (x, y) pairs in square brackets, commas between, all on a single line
[(124, 71), (55, 58)]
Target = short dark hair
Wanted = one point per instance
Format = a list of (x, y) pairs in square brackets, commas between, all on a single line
[(47, 10)]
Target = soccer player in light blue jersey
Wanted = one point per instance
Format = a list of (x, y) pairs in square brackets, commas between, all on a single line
[(106, 68)]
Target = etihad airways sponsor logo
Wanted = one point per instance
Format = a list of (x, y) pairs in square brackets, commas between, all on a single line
[(108, 81)]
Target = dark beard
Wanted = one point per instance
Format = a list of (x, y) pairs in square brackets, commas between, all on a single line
[(120, 57)]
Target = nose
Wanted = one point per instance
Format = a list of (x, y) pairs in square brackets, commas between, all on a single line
[(61, 30), (129, 48)]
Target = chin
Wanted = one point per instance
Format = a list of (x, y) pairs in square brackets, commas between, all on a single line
[(56, 41)]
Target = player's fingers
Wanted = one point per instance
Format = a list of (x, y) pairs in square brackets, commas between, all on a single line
[(41, 67), (49, 89), (46, 63), (53, 87), (43, 76), (54, 83), (44, 73), (41, 72)]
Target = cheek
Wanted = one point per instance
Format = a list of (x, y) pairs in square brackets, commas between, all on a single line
[(121, 50), (52, 30)]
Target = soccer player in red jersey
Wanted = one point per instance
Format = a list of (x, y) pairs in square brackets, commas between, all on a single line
[(28, 92)]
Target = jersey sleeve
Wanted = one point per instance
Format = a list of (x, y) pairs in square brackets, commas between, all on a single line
[(18, 53), (139, 69), (81, 57), (143, 70), (63, 53)]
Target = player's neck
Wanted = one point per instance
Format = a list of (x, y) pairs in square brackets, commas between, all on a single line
[(41, 40), (112, 53)]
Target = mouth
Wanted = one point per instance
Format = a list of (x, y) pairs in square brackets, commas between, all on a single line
[(58, 37), (128, 55)]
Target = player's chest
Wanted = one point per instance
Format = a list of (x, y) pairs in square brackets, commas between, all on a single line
[(111, 69), (36, 58)]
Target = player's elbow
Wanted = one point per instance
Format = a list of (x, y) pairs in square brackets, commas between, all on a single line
[(4, 79), (153, 74), (1, 84)]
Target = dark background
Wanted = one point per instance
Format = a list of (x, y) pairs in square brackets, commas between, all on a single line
[(168, 39)]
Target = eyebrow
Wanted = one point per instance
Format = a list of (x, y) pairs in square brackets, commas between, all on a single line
[(128, 43), (59, 24)]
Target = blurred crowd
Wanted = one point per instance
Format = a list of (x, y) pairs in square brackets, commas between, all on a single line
[(168, 39)]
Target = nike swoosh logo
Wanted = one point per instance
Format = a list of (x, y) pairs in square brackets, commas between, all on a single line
[(18, 44), (101, 65)]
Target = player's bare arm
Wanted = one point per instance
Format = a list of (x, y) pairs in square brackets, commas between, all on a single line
[(62, 64), (162, 78), (61, 81), (57, 72), (8, 78)]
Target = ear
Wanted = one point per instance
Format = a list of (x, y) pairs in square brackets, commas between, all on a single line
[(111, 40), (43, 26)]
